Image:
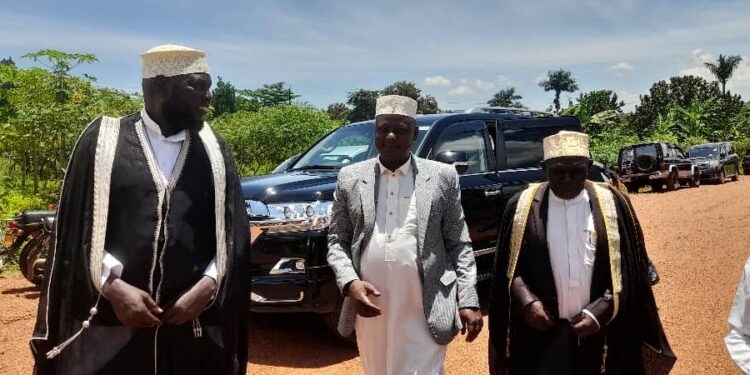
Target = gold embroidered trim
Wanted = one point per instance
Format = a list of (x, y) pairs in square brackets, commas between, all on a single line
[(520, 219), (609, 212)]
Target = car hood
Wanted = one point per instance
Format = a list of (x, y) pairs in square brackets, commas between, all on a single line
[(296, 186)]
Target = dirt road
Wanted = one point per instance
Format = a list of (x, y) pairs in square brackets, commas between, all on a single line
[(698, 238)]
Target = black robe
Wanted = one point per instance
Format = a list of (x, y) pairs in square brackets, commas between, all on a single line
[(164, 249), (516, 348)]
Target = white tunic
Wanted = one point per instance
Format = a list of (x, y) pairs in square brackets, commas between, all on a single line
[(738, 339), (397, 342), (571, 239)]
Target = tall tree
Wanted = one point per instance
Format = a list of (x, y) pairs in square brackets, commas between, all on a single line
[(224, 98), (723, 68), (427, 105), (363, 102), (60, 64), (506, 98), (680, 91), (270, 94), (559, 81), (338, 111), (403, 88)]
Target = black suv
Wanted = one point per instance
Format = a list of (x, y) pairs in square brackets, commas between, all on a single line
[(497, 154), (746, 163), (656, 164), (716, 161)]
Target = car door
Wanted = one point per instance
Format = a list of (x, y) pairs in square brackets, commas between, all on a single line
[(480, 188)]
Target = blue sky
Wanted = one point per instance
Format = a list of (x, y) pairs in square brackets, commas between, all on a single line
[(460, 52)]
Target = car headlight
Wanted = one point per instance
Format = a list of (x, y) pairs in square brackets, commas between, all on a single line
[(292, 216)]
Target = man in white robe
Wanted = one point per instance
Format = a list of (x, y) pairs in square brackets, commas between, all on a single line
[(401, 252)]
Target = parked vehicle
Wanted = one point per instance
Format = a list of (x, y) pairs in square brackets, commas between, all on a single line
[(746, 163), (656, 164), (32, 233), (715, 161), (496, 154)]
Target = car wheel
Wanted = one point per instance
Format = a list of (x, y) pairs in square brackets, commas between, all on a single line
[(672, 182), (736, 175), (722, 176), (695, 181), (31, 261), (331, 321), (632, 188), (657, 187), (746, 171)]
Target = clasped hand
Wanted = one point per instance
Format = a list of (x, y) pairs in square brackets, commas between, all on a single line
[(135, 308)]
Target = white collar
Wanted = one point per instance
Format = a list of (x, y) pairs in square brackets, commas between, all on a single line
[(583, 196), (153, 127), (403, 170)]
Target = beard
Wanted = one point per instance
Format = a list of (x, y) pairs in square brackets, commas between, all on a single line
[(181, 117)]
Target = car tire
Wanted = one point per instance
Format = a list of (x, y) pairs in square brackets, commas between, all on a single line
[(657, 187), (695, 181), (672, 182), (722, 177), (632, 188), (746, 171), (331, 321), (736, 175), (33, 250)]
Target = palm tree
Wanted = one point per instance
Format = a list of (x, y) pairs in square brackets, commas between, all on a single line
[(506, 98), (723, 69), (559, 81)]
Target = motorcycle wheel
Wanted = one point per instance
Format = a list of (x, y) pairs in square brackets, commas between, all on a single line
[(31, 261)]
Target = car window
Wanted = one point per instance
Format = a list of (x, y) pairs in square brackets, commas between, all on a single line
[(708, 152), (523, 146), (344, 146), (468, 137), (678, 153), (649, 149)]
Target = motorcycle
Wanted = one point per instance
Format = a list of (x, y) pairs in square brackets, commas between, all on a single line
[(32, 233)]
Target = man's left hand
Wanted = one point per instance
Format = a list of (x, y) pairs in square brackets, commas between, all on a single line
[(584, 326), (191, 304), (472, 321)]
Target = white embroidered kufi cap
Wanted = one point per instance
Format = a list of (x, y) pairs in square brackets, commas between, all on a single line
[(396, 105), (566, 143), (172, 60)]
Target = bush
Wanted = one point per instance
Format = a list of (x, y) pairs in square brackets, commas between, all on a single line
[(262, 140)]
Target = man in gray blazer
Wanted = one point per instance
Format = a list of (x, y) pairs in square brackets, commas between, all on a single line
[(401, 252)]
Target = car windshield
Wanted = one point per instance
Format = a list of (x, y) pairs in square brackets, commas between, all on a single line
[(707, 152), (344, 146)]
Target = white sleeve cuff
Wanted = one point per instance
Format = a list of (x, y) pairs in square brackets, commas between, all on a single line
[(211, 270), (591, 315), (110, 266)]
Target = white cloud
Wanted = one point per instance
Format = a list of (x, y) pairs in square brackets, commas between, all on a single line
[(461, 90), (504, 81), (484, 85), (437, 81), (621, 68), (540, 78)]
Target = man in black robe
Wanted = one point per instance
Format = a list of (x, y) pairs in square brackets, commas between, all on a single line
[(149, 269), (570, 291)]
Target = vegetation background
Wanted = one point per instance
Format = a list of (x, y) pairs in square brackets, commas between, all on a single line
[(44, 109)]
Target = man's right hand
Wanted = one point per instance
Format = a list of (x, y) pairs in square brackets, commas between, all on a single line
[(134, 307), (359, 291), (537, 316)]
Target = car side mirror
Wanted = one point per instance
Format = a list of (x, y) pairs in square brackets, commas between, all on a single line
[(459, 159)]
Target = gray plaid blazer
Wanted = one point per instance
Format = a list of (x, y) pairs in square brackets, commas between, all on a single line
[(444, 255)]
